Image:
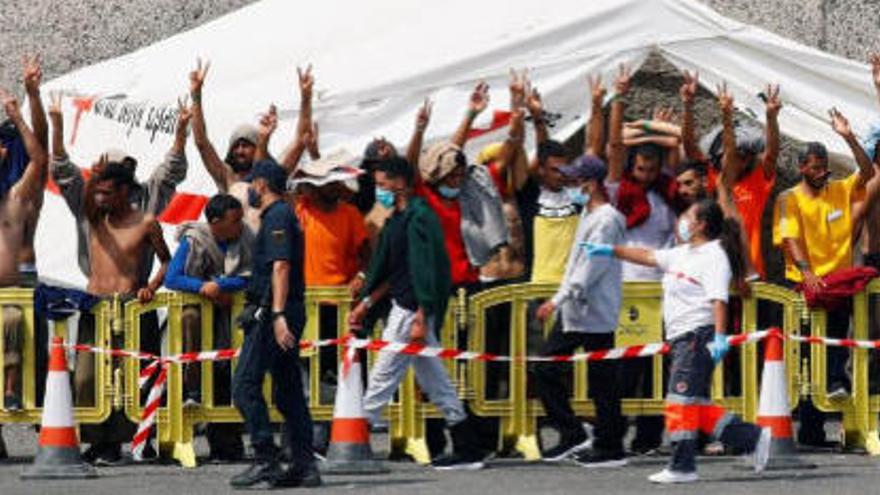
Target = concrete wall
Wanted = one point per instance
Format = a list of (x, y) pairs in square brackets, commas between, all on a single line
[(75, 33)]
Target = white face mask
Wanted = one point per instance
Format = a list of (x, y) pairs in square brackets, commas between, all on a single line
[(684, 230), (577, 195)]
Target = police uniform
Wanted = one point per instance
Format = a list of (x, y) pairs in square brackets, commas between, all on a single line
[(279, 239)]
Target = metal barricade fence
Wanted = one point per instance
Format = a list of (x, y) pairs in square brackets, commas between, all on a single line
[(34, 348), (640, 323), (176, 423), (860, 408)]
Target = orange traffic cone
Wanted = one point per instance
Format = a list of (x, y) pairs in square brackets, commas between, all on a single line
[(350, 450), (773, 411), (58, 455)]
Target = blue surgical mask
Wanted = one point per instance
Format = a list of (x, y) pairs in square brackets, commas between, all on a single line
[(448, 192), (384, 197), (577, 196), (253, 198), (684, 230)]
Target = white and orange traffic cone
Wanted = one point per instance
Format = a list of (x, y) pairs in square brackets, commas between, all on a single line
[(773, 410), (58, 455), (350, 450)]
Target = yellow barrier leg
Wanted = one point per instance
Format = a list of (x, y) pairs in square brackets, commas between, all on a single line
[(522, 423)]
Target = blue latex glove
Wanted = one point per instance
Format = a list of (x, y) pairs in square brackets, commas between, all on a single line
[(597, 249), (719, 347)]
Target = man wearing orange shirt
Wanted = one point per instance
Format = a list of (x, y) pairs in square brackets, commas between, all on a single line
[(337, 246), (747, 158)]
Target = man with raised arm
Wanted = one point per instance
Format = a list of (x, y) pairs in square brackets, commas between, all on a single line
[(121, 236), (813, 224), (18, 202), (744, 155), (247, 143)]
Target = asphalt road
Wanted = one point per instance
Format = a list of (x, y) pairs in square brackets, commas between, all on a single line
[(836, 474)]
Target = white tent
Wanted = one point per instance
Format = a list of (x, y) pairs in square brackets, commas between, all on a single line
[(376, 61)]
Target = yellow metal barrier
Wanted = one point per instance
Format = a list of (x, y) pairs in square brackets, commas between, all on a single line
[(860, 409), (31, 412)]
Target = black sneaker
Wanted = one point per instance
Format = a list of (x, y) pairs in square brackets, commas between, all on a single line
[(459, 461), (566, 449), (598, 459), (299, 477), (12, 402), (262, 472)]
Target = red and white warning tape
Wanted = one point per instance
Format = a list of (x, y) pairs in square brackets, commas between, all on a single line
[(148, 415), (159, 364)]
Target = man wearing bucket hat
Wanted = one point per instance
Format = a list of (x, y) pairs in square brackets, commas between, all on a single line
[(588, 304)]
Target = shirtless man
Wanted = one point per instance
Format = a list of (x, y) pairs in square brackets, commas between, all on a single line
[(17, 205), (121, 236), (249, 143)]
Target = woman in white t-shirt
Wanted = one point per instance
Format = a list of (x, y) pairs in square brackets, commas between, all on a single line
[(696, 281)]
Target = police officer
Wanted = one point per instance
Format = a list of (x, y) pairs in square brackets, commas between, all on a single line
[(273, 321)]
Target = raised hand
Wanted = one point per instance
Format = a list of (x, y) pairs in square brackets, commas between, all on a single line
[(306, 82), (534, 103), (839, 123), (32, 72), (268, 122), (197, 77), (623, 80), (184, 113), (519, 88), (597, 89), (725, 98), (479, 100), (773, 104), (101, 165), (688, 90), (10, 104), (55, 99), (423, 116)]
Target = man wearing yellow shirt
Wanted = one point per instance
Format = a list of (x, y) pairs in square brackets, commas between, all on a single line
[(813, 223)]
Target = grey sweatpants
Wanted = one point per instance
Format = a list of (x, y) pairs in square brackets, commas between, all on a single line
[(389, 370)]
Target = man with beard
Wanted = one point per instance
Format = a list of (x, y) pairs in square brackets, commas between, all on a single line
[(813, 224), (249, 143)]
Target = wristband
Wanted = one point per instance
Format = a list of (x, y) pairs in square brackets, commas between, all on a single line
[(646, 126), (367, 302), (361, 275), (802, 265)]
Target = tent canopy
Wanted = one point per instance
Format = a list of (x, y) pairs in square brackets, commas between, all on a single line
[(376, 61)]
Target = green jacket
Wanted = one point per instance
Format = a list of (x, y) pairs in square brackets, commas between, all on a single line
[(428, 262)]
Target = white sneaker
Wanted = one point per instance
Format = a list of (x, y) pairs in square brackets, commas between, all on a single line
[(762, 450), (668, 476)]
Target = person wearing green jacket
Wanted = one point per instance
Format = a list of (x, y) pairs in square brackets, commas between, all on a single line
[(411, 266)]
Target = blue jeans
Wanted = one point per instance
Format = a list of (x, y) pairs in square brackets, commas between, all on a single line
[(260, 354)]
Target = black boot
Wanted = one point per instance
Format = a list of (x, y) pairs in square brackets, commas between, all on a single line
[(264, 471), (467, 454), (299, 476)]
